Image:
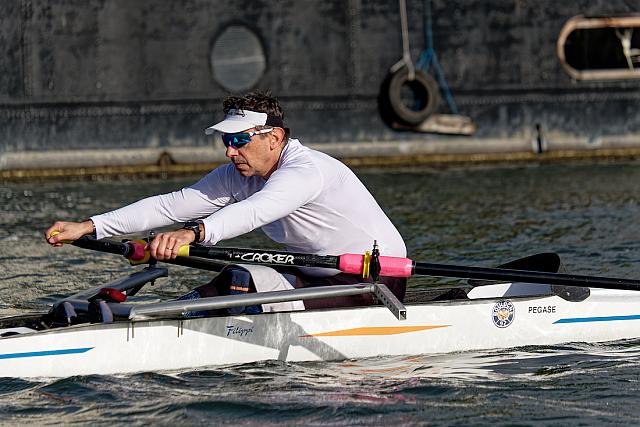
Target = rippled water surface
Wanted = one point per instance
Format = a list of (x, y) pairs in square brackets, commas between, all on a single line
[(588, 213)]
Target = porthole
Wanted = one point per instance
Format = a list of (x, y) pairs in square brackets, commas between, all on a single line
[(601, 48), (237, 58)]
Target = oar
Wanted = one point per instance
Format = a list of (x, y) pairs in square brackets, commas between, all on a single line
[(134, 251), (357, 264), (405, 267)]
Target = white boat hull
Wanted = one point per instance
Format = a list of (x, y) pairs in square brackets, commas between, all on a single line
[(436, 327)]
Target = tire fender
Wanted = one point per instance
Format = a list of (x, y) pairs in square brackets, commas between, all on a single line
[(425, 97)]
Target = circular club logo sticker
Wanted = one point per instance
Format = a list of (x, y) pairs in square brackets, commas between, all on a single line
[(503, 313)]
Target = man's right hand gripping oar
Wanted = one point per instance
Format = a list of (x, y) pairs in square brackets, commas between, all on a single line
[(64, 232), (163, 247)]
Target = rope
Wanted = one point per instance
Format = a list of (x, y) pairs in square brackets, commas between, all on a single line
[(429, 57), (406, 51)]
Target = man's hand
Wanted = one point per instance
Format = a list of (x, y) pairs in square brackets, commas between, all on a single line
[(68, 231), (165, 245)]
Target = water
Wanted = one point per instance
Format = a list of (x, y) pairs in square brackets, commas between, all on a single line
[(588, 213)]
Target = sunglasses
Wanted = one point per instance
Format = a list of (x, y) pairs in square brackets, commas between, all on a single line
[(240, 139)]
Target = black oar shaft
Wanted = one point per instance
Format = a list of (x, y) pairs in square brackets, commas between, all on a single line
[(265, 257), (108, 246), (506, 275), (272, 257), (199, 263)]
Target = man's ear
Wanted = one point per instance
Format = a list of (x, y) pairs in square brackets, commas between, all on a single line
[(277, 137)]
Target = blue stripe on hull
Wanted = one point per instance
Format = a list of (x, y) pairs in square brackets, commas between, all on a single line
[(597, 319), (45, 353)]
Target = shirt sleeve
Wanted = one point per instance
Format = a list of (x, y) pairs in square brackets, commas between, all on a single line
[(199, 200), (286, 190)]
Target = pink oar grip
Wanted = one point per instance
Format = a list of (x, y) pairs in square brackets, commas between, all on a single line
[(390, 266), (139, 253)]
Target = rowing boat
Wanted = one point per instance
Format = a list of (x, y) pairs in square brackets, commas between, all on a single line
[(93, 332)]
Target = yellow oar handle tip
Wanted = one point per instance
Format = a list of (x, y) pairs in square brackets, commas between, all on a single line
[(184, 250), (56, 232)]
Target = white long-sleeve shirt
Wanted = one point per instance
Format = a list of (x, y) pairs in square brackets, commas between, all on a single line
[(311, 203)]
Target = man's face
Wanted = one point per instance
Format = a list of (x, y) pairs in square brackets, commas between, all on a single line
[(258, 157)]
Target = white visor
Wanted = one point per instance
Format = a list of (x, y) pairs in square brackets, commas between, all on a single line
[(237, 121)]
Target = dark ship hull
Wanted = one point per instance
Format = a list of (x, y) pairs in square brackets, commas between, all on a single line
[(113, 86)]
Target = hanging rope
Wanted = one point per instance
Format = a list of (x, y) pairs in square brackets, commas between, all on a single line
[(429, 57), (406, 51)]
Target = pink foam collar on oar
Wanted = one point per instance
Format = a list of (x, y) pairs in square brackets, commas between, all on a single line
[(390, 266), (139, 254)]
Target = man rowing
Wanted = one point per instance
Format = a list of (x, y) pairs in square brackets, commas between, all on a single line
[(301, 198)]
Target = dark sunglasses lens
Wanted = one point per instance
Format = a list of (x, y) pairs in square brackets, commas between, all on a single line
[(236, 140)]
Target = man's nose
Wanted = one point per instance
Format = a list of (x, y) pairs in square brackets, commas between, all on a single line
[(231, 152)]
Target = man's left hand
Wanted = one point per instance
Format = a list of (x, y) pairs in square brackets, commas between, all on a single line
[(165, 245)]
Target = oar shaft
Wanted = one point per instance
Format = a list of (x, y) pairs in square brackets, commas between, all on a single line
[(199, 263), (506, 275), (265, 257), (118, 248), (132, 250), (353, 263)]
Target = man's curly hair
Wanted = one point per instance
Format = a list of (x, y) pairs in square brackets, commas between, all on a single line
[(258, 101)]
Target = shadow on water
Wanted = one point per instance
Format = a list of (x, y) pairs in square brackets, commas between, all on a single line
[(471, 216)]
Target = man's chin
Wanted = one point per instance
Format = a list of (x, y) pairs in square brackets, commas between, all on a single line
[(244, 169)]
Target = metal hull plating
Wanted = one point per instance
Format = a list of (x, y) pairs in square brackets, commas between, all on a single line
[(441, 327), (106, 86)]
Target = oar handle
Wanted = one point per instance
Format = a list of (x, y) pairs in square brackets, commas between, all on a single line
[(132, 250), (56, 232)]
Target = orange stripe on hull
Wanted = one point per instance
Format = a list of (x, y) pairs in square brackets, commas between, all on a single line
[(376, 330)]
